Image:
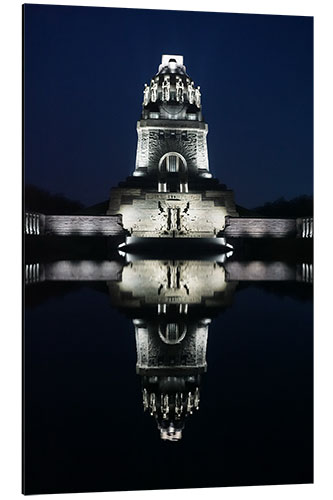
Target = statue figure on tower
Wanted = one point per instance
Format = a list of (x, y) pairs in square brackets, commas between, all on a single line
[(166, 89), (179, 90), (198, 97), (153, 90), (146, 91), (190, 92)]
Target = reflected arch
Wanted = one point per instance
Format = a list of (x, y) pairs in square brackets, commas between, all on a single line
[(172, 333)]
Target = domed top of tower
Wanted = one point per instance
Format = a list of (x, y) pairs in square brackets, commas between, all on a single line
[(172, 93), (172, 64)]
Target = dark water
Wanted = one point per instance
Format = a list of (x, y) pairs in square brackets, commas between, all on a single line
[(85, 428)]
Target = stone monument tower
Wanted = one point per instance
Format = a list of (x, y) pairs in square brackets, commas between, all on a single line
[(171, 192)]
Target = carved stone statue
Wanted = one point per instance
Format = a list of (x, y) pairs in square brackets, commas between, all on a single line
[(153, 91), (190, 91), (198, 97), (146, 95), (166, 89), (179, 90)]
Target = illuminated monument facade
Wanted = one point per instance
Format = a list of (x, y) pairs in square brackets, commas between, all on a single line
[(171, 192)]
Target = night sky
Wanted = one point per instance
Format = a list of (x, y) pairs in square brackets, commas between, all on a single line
[(85, 68)]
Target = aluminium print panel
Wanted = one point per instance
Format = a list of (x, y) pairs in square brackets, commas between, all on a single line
[(168, 252)]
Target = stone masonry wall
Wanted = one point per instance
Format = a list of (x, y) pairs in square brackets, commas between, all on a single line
[(153, 143), (249, 227), (84, 225)]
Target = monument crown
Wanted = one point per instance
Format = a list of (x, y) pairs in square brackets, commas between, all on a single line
[(171, 93), (172, 63)]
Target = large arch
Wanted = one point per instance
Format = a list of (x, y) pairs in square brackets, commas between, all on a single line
[(172, 162), (172, 333), (182, 164)]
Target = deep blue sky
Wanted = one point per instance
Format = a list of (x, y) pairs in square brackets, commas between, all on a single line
[(85, 68)]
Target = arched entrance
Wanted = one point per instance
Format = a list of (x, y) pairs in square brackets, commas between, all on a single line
[(172, 173)]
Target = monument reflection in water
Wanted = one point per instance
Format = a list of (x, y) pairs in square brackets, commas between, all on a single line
[(171, 304)]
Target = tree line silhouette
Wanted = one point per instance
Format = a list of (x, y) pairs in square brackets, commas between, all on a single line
[(301, 206), (41, 200)]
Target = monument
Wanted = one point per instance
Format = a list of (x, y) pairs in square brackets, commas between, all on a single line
[(172, 192)]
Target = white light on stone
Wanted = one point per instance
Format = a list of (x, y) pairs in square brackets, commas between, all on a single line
[(166, 58)]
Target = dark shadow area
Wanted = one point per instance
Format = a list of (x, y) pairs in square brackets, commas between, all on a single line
[(282, 289), (301, 206), (272, 249), (40, 293), (42, 201), (51, 248)]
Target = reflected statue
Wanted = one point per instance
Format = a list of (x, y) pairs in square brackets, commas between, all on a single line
[(171, 356)]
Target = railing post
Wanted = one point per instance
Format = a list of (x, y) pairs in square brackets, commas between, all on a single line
[(34, 223)]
